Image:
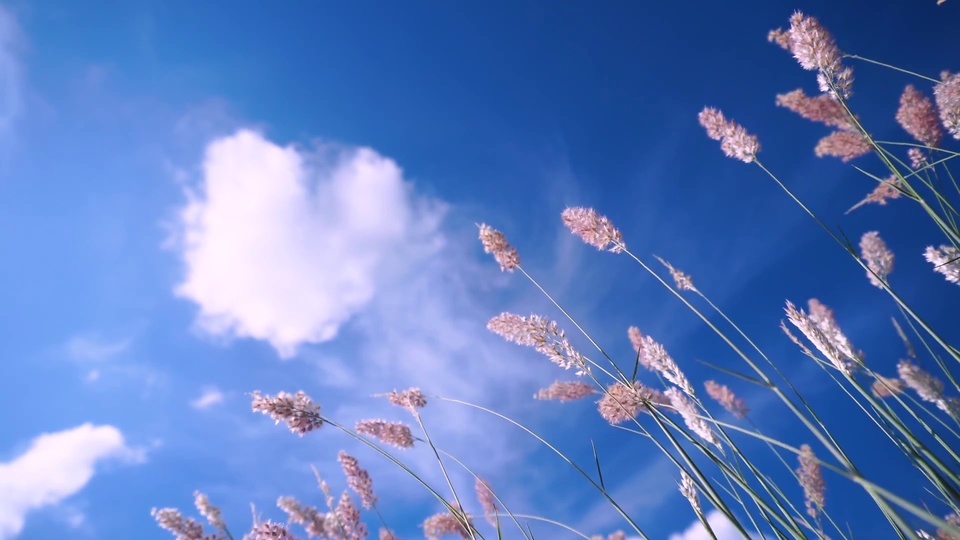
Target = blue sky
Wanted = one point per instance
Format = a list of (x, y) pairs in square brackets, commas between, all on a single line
[(202, 199)]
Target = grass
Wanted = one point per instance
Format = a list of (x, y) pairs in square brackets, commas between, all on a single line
[(719, 461)]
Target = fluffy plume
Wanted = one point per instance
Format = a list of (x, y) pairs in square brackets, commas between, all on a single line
[(655, 357), (780, 38), (727, 399), (714, 123), (740, 145), (950, 518), (683, 281), (846, 142), (886, 190), (823, 317), (348, 518), (496, 244), (358, 479), (947, 95), (953, 519), (844, 145), (928, 387), (735, 141), (621, 403), (300, 413), (691, 416), (439, 525), (170, 519), (878, 257), (410, 399), (689, 491), (885, 387), (945, 260), (821, 108), (392, 433), (566, 391), (815, 50), (918, 117), (918, 159), (543, 335), (487, 500), (313, 521), (269, 530), (593, 229), (209, 512), (811, 480), (824, 343)]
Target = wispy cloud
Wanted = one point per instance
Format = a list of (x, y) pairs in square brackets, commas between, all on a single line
[(209, 398), (56, 466), (91, 348), (108, 361), (286, 246)]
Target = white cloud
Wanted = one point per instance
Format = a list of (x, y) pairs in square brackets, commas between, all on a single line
[(286, 246), (55, 467), (723, 529), (209, 398), (106, 361), (89, 348)]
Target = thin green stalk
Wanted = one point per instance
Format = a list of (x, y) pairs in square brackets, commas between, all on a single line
[(715, 499), (952, 179), (888, 66), (443, 469), (936, 358), (823, 436), (502, 504), (768, 487), (394, 460), (878, 150), (889, 290), (945, 205), (552, 522), (950, 153), (662, 420), (793, 473), (916, 452), (857, 478), (599, 488), (575, 323)]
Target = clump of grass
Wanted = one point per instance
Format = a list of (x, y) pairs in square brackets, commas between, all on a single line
[(916, 411)]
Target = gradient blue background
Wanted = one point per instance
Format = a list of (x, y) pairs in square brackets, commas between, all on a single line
[(509, 111)]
